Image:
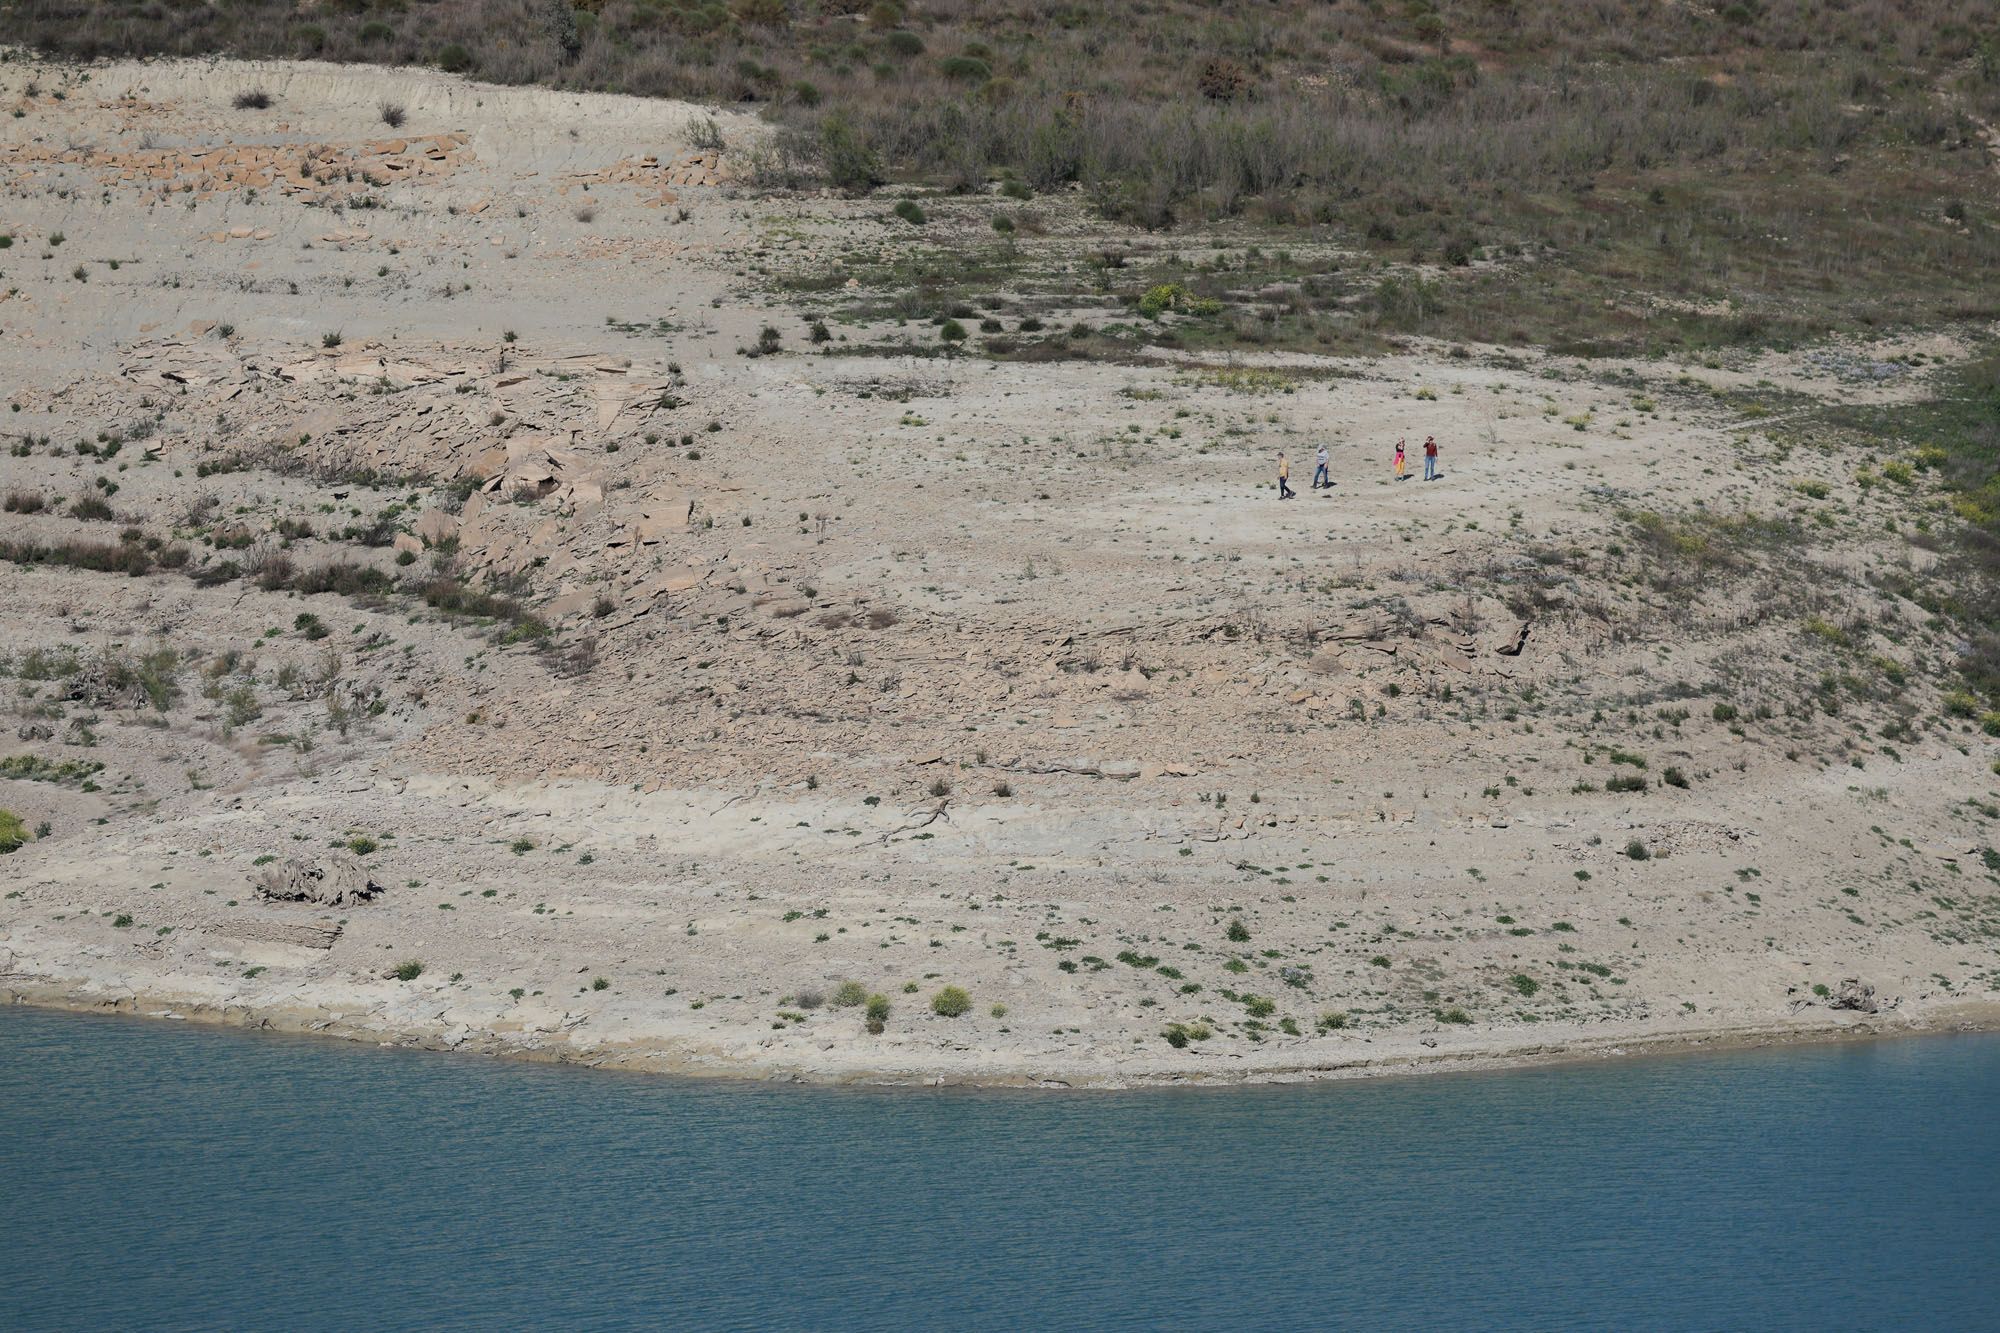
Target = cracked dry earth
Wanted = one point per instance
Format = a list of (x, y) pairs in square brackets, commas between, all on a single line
[(657, 689)]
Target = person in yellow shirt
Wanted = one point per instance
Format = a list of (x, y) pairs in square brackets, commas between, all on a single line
[(1285, 491)]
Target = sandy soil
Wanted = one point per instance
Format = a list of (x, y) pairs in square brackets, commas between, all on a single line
[(909, 672)]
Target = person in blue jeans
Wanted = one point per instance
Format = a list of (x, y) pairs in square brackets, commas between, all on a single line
[(1320, 477), (1430, 458)]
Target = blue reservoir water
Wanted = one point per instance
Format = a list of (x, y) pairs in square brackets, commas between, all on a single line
[(161, 1177)]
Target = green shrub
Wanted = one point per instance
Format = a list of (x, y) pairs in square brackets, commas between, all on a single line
[(952, 331), (911, 212), (454, 59), (1453, 1015), (1637, 851), (878, 1013), (1237, 933), (970, 69), (409, 971), (850, 993), (1166, 296), (1524, 983), (849, 163), (951, 1002), (13, 833)]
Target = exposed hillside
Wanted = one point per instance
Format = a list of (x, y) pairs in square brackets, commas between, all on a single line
[(481, 572)]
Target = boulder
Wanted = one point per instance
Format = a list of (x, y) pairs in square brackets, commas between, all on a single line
[(1853, 994), (434, 526), (338, 880)]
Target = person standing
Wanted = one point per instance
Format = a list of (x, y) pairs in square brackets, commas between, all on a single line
[(1285, 491), (1430, 458), (1321, 481), (1400, 474)]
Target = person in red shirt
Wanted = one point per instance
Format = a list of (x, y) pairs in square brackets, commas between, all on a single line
[(1430, 458)]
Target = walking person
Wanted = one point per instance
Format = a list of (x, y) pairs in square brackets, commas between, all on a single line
[(1285, 491), (1400, 473), (1321, 481), (1430, 458)]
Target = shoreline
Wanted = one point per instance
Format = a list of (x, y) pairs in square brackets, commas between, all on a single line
[(1478, 1055)]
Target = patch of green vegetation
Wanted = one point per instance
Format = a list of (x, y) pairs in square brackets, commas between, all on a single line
[(63, 772), (1955, 433)]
